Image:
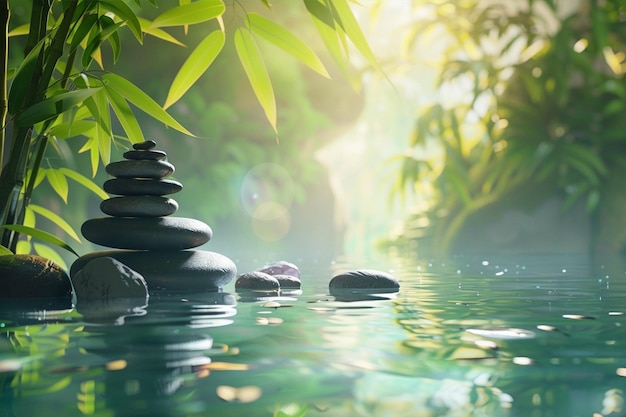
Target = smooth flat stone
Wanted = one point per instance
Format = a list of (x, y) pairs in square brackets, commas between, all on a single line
[(176, 271), (147, 233), (288, 282), (32, 276), (136, 186), (139, 206), (257, 281), (151, 155), (364, 279), (147, 145), (140, 169)]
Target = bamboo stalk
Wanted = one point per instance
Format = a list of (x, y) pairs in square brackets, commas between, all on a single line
[(5, 15)]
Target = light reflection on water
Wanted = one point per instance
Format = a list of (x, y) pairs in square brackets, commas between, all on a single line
[(465, 337)]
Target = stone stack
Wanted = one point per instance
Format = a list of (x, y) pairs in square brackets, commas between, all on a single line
[(146, 236)]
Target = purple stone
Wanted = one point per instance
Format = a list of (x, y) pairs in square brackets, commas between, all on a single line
[(281, 268)]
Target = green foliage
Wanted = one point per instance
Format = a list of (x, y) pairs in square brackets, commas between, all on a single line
[(543, 97), (59, 88), (39, 234)]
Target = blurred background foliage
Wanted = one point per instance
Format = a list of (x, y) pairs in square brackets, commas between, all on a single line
[(529, 107), (525, 117), (256, 183), (239, 167)]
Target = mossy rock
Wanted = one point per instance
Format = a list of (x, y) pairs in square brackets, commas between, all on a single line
[(32, 276)]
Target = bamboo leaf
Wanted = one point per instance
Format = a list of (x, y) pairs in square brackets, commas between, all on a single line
[(196, 64), (92, 146), (103, 150), (41, 235), (56, 219), (86, 25), (48, 252), (73, 128), (189, 14), (125, 13), (344, 17), (53, 106), (254, 67), (125, 115), (124, 88), (23, 246), (98, 106), (108, 28), (22, 79), (116, 46), (5, 251), (286, 41), (58, 182), (85, 182), (20, 30), (29, 217), (158, 33), (324, 23)]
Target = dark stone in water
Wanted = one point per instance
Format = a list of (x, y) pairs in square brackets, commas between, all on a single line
[(107, 277), (186, 271), (257, 281), (364, 279), (288, 282), (140, 169), (32, 276), (145, 155), (149, 233), (134, 186), (147, 145), (281, 268), (139, 206)]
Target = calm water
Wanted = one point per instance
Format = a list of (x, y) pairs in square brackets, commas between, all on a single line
[(467, 337)]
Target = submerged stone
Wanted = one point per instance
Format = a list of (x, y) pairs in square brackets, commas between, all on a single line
[(106, 277), (156, 233), (364, 279), (172, 271), (281, 268), (32, 276), (257, 281)]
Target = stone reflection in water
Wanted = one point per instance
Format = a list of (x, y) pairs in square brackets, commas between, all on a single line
[(158, 356)]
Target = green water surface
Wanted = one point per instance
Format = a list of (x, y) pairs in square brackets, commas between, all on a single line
[(526, 337)]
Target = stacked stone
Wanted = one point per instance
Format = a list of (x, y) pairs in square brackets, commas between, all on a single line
[(149, 239)]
